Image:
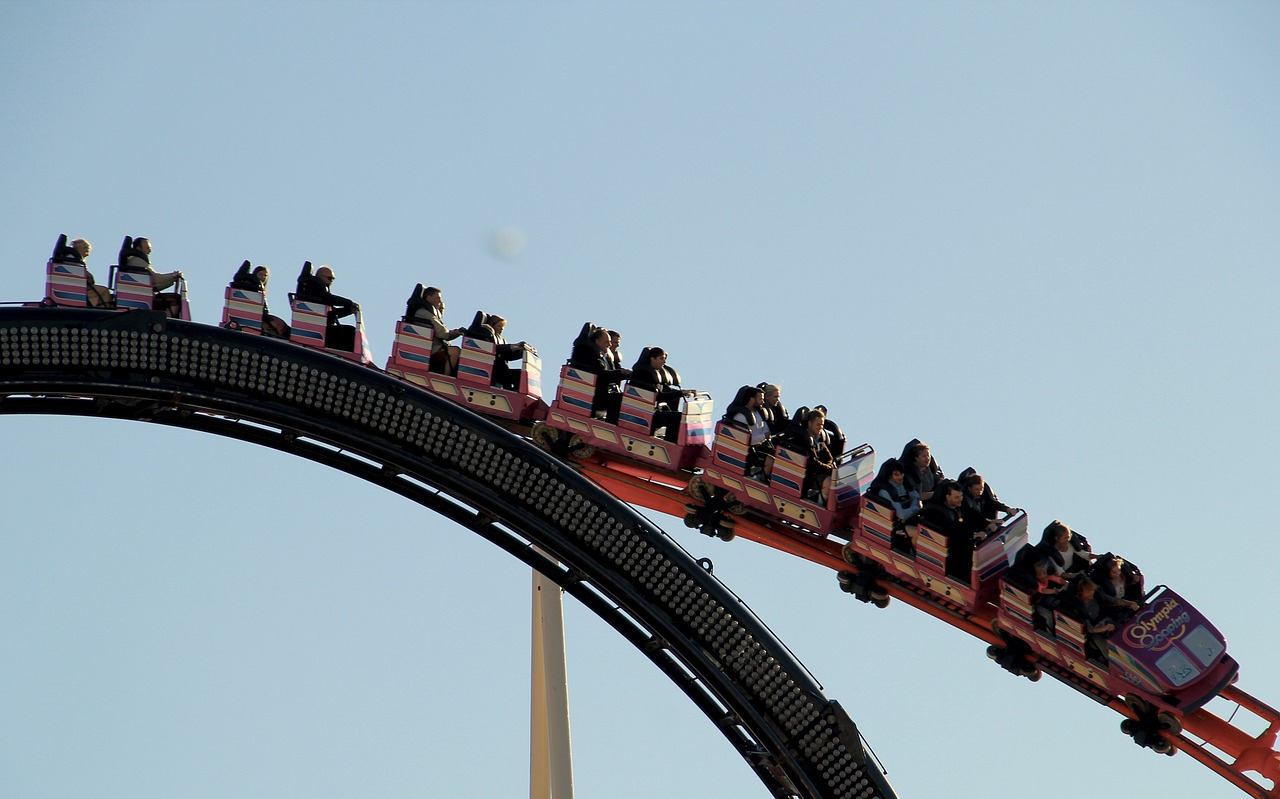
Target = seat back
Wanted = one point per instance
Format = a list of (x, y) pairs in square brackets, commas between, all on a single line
[(310, 319), (577, 390), (411, 350), (133, 289), (788, 472), (66, 279), (878, 519), (242, 309), (931, 551), (638, 405), (1070, 632), (729, 449), (475, 363)]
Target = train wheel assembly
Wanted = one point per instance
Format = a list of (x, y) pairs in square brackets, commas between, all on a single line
[(1013, 655), (708, 514), (545, 436), (700, 490), (1147, 728), (864, 583), (579, 448)]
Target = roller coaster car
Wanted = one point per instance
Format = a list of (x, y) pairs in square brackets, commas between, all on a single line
[(474, 384), (926, 568), (311, 328), (1168, 658), (782, 497), (572, 423)]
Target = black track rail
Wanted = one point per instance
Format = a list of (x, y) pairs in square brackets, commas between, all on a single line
[(143, 366)]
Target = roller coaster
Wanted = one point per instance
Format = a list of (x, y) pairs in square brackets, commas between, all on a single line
[(550, 483)]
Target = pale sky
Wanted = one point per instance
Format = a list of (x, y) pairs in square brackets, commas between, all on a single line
[(1039, 236)]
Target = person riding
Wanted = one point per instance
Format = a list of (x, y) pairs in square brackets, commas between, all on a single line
[(317, 288), (923, 473), (889, 487), (590, 354), (820, 463), (503, 375), (745, 411), (651, 372)]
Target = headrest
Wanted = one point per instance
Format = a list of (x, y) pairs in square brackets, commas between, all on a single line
[(244, 278), (304, 278), (64, 254), (126, 249), (417, 299), (479, 329)]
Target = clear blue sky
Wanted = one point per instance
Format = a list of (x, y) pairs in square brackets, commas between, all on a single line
[(1040, 236)]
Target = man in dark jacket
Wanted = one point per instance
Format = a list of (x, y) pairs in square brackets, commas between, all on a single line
[(944, 515), (981, 505), (315, 288), (592, 356)]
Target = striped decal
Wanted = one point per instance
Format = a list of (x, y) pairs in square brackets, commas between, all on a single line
[(638, 406), (476, 361), (788, 470), (1134, 668), (411, 358), (1018, 604), (67, 284), (1070, 632), (244, 308), (71, 297), (577, 390), (309, 322), (877, 523), (731, 443), (424, 335), (68, 270), (932, 549), (133, 291)]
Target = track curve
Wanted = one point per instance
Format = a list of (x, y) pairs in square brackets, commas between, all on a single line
[(146, 367)]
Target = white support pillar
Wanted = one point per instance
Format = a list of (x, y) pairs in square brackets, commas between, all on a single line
[(550, 749)]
